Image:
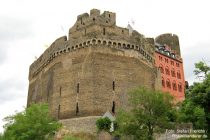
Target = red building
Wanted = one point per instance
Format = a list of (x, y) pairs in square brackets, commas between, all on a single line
[(170, 63)]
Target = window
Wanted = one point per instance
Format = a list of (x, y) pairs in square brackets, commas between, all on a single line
[(60, 91), (180, 87), (166, 60), (173, 73), (168, 83), (161, 69), (178, 75), (160, 58), (113, 85), (77, 87), (113, 107), (163, 82), (172, 62), (167, 71), (77, 109), (59, 108), (177, 64), (174, 85)]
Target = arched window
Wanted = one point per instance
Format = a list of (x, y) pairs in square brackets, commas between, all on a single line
[(163, 82), (177, 64), (168, 83), (180, 87), (167, 71), (174, 85), (178, 75), (161, 69), (173, 72)]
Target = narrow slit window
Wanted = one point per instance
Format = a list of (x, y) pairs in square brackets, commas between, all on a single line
[(60, 91), (59, 109), (77, 87), (113, 107), (113, 85), (77, 109)]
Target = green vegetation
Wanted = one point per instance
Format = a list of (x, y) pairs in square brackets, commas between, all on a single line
[(80, 136), (196, 107), (71, 138), (103, 124), (149, 113), (1, 137), (34, 123)]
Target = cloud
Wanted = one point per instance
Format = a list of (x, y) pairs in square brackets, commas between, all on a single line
[(3, 54), (200, 52), (12, 89), (12, 30)]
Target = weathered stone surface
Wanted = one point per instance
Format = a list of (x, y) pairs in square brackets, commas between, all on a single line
[(81, 124)]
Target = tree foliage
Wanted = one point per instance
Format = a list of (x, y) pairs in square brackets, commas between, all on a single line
[(34, 123), (196, 107), (149, 113), (192, 113), (1, 137)]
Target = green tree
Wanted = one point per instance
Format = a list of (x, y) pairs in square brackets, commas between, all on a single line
[(34, 123), (192, 113), (1, 137), (149, 113), (198, 99)]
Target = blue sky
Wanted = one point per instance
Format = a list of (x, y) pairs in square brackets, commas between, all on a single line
[(28, 26)]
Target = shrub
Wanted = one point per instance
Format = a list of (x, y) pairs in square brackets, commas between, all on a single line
[(103, 124)]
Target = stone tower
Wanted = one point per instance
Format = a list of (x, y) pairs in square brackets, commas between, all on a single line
[(92, 70)]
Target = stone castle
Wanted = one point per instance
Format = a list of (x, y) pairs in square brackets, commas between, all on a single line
[(92, 70)]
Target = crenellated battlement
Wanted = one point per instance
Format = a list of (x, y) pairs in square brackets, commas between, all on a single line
[(99, 29)]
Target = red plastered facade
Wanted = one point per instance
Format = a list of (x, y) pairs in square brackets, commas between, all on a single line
[(172, 73)]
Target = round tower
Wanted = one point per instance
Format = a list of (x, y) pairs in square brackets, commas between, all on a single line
[(171, 40), (92, 71)]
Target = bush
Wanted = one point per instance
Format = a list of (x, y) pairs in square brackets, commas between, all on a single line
[(103, 124)]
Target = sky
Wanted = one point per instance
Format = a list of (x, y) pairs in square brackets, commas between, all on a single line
[(28, 26)]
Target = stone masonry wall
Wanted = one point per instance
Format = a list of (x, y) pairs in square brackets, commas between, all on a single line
[(83, 124)]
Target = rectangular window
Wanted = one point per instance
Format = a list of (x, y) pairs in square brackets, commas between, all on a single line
[(180, 88), (104, 31)]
